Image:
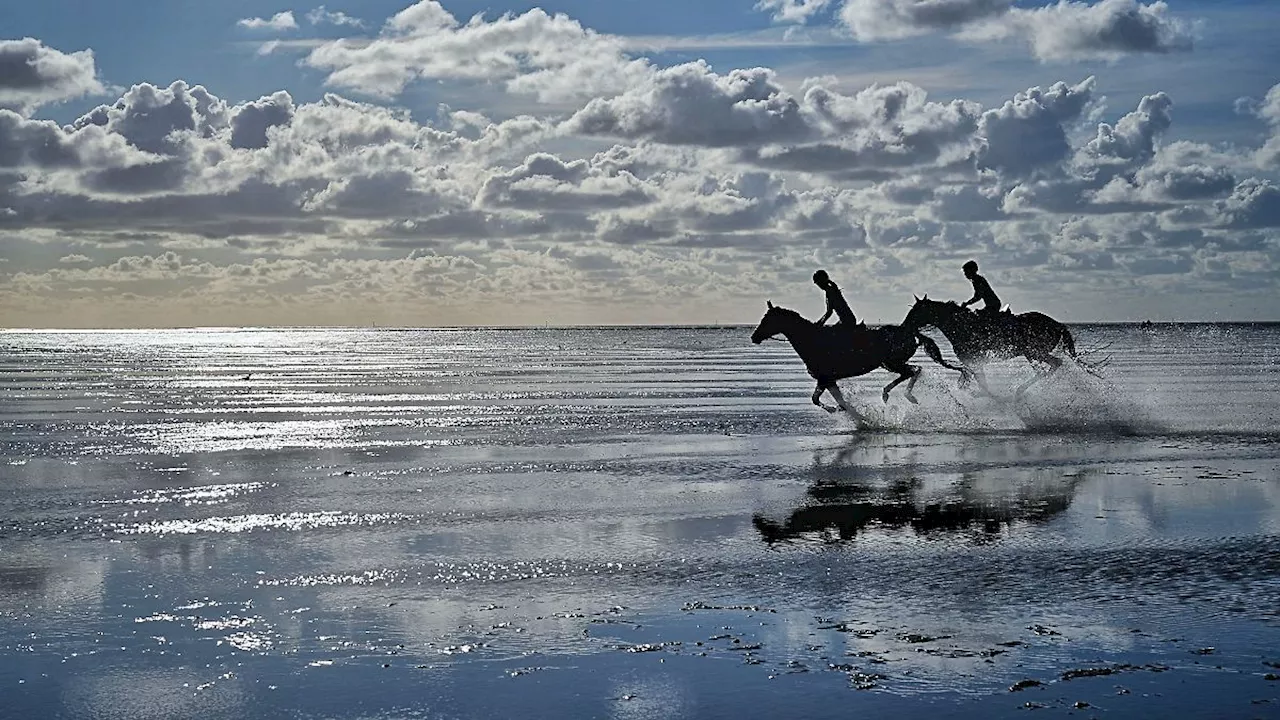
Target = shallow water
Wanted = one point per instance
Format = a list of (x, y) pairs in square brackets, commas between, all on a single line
[(629, 522)]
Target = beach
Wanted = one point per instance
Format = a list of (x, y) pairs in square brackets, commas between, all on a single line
[(634, 522)]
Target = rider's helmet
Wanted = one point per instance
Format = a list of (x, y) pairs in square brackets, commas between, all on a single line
[(970, 267), (821, 278)]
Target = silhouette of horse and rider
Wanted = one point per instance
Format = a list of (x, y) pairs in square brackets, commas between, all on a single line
[(850, 349)]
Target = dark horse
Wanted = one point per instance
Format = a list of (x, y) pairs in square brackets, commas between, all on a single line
[(834, 353), (977, 340)]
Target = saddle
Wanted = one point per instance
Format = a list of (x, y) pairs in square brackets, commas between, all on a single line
[(843, 337), (998, 322)]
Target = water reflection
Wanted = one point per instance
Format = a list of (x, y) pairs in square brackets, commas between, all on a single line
[(970, 492)]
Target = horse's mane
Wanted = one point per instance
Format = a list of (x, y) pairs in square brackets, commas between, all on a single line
[(788, 311)]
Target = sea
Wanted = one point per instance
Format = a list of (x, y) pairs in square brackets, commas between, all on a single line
[(632, 522)]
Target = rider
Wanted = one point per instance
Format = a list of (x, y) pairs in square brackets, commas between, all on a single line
[(835, 301), (981, 292)]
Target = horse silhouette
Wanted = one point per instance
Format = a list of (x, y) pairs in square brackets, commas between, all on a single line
[(979, 339), (832, 353), (880, 483), (839, 513)]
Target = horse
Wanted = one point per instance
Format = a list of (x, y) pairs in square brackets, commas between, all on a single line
[(977, 339), (832, 353)]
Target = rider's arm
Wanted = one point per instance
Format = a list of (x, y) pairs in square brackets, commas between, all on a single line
[(826, 316), (976, 297)]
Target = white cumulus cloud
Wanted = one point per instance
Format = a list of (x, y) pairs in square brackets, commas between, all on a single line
[(33, 74), (279, 22)]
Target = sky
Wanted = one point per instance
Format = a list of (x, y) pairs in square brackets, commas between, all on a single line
[(252, 163)]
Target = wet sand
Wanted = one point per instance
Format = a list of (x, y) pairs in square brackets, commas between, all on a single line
[(420, 527)]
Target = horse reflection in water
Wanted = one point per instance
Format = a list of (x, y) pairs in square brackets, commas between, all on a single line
[(934, 489), (832, 353)]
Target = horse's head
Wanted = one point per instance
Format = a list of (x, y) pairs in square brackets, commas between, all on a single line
[(776, 321), (926, 312), (922, 314)]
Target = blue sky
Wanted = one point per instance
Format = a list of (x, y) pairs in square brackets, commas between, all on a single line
[(692, 175)]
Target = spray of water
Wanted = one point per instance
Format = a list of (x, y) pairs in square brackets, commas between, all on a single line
[(1071, 400)]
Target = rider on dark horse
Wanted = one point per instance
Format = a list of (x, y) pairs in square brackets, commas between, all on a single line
[(982, 292), (835, 303)]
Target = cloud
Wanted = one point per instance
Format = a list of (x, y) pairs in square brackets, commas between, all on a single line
[(871, 20), (1105, 30), (1174, 265), (31, 145), (1132, 139), (690, 104), (1027, 133), (152, 118), (251, 121), (1268, 110), (1254, 203), (710, 185), (1162, 182), (322, 16), (279, 22), (551, 57), (32, 74), (792, 11), (877, 132), (1067, 30), (544, 182)]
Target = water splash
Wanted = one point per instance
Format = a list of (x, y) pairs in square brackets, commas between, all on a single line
[(1071, 400)]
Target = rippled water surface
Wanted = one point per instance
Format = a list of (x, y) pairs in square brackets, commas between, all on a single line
[(633, 523)]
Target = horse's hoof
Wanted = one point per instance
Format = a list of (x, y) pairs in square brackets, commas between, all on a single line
[(885, 396), (912, 399)]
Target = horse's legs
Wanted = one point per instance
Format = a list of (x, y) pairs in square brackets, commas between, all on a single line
[(839, 396), (817, 395), (915, 375), (1053, 363), (978, 374), (905, 372)]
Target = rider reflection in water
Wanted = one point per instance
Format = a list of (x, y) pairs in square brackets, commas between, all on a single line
[(835, 301), (981, 291)]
